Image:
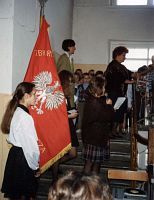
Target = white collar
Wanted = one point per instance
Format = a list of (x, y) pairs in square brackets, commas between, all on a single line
[(68, 55)]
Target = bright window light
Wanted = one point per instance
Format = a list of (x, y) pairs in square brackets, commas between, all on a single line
[(133, 65), (137, 53), (151, 53), (131, 2)]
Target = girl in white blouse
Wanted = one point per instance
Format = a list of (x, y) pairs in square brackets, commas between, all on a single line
[(22, 166)]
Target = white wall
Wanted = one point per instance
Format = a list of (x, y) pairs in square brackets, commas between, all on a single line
[(95, 25), (25, 31), (6, 42), (60, 17), (19, 22), (26, 26)]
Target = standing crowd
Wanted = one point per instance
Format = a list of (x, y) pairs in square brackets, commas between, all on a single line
[(90, 99)]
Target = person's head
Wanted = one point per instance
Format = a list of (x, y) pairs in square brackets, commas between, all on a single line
[(66, 78), (91, 73), (24, 94), (96, 86), (68, 45), (99, 73), (77, 78), (79, 71), (76, 186), (119, 54), (86, 77), (142, 69)]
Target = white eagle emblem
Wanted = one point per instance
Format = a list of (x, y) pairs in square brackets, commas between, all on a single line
[(46, 93)]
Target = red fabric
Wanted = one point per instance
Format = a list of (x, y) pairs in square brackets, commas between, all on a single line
[(49, 114)]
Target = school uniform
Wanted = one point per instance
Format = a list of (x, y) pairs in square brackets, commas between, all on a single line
[(96, 127), (23, 158)]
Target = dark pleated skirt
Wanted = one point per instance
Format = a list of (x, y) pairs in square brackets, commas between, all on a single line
[(96, 154), (19, 179)]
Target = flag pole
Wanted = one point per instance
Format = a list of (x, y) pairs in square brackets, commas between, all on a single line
[(42, 5)]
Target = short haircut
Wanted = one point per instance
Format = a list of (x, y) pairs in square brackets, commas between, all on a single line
[(99, 72), (118, 51), (85, 74), (67, 43), (142, 69)]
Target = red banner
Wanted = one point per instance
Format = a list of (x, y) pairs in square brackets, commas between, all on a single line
[(49, 113)]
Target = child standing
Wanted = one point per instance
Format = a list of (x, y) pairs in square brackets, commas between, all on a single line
[(96, 127), (66, 79), (22, 166), (81, 96)]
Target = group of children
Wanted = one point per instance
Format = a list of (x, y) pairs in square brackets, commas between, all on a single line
[(22, 166), (89, 100)]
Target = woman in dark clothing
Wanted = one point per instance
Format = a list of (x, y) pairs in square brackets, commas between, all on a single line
[(97, 119), (117, 78)]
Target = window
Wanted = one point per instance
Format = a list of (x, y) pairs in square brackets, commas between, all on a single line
[(140, 53), (132, 2)]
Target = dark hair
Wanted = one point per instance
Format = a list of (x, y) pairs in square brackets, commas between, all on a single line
[(118, 51), (77, 186), (91, 72), (67, 43), (22, 88), (95, 84), (99, 73), (65, 77), (142, 69), (77, 75), (85, 74), (78, 70)]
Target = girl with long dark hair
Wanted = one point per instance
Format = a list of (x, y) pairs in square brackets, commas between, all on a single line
[(22, 164)]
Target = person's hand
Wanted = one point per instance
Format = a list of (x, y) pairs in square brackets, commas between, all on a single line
[(37, 173), (109, 101), (73, 115)]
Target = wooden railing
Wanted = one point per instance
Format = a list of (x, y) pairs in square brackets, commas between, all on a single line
[(151, 164), (134, 132)]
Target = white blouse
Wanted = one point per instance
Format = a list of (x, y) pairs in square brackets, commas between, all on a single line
[(23, 134)]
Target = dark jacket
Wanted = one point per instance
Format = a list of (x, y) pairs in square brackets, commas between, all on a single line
[(97, 120), (116, 74)]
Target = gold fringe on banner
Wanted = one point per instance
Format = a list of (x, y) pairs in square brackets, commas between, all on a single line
[(57, 157)]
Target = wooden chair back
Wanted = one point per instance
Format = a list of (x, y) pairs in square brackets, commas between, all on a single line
[(128, 175)]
